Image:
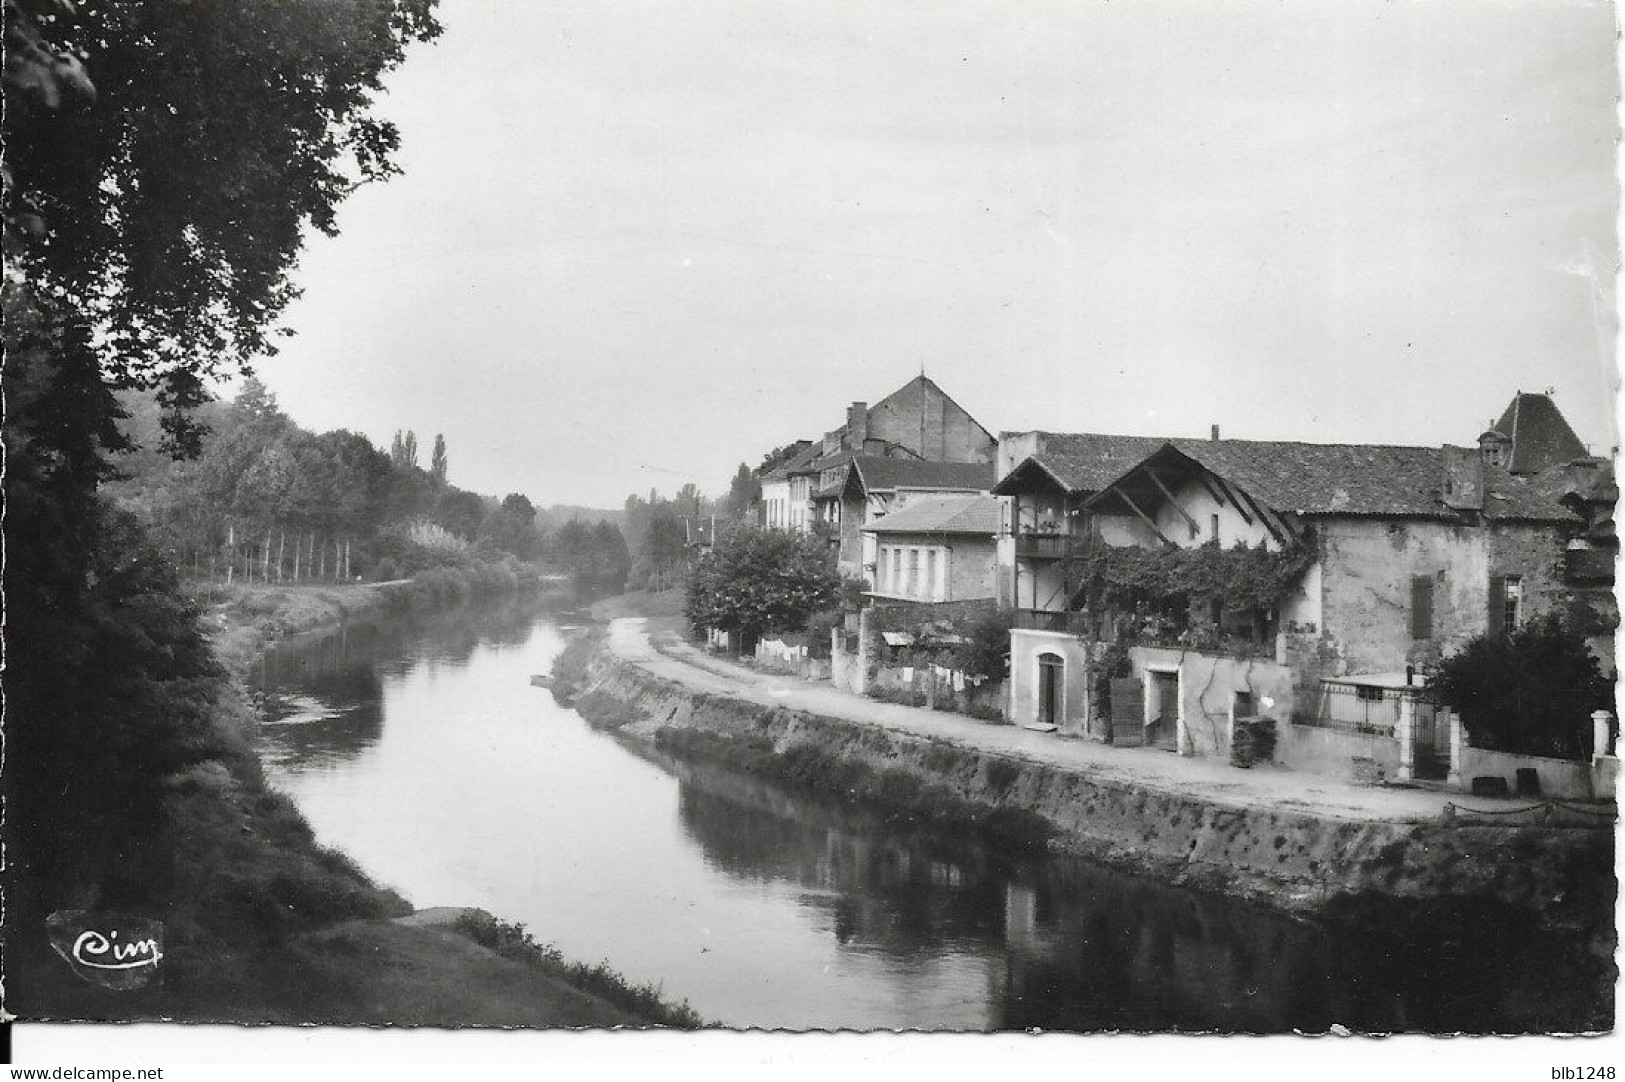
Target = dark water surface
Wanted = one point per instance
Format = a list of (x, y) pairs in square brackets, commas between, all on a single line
[(420, 748)]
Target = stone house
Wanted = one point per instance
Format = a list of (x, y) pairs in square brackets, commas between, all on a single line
[(1397, 554), (935, 549), (917, 422), (866, 489)]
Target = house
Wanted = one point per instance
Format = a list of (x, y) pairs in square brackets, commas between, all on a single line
[(1316, 579), (787, 489), (918, 422), (1047, 476), (937, 549), (866, 489)]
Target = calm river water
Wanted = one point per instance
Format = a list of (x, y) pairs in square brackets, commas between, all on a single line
[(419, 747)]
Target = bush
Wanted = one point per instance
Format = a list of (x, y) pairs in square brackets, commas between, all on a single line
[(819, 627), (987, 654), (1527, 692), (385, 570)]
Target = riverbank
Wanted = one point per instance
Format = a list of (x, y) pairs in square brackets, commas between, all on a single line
[(265, 924), (1290, 841)]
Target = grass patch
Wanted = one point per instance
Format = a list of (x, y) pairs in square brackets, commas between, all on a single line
[(514, 941)]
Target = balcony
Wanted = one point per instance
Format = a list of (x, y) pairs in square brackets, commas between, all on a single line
[(1075, 623), (1044, 546)]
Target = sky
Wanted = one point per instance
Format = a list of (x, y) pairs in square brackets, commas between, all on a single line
[(638, 243)]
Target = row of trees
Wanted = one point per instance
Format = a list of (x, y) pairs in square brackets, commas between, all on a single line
[(266, 499)]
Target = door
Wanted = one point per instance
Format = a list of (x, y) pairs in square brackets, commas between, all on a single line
[(1051, 684), (1431, 741), (1128, 712), (1165, 710)]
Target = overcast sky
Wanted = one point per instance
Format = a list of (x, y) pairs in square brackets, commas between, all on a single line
[(638, 243)]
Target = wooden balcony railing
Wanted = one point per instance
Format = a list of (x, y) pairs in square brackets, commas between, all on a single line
[(1076, 623), (1044, 546)]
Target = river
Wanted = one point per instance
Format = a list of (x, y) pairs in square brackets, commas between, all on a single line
[(418, 746)]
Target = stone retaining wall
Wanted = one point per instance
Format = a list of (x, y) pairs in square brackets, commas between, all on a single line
[(1287, 858)]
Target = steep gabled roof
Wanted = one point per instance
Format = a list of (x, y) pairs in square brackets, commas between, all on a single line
[(928, 383), (1089, 461), (977, 515), (1540, 436), (886, 474)]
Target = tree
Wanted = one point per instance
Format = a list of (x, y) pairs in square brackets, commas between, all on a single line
[(460, 512), (404, 451), (437, 462), (753, 581), (1529, 691), (511, 526), (744, 492), (614, 557), (163, 162)]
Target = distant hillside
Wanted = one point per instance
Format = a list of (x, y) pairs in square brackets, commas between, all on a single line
[(560, 513)]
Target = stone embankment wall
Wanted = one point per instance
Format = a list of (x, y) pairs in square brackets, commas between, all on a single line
[(1285, 858)]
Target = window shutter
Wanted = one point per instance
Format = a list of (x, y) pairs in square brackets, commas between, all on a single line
[(1498, 604), (1422, 607)]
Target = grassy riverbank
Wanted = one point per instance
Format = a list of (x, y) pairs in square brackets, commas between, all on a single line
[(263, 924)]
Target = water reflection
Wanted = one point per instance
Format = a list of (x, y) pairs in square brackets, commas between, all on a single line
[(419, 746), (1081, 946), (322, 693)]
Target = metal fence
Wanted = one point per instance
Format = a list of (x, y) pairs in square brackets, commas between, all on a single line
[(1356, 708)]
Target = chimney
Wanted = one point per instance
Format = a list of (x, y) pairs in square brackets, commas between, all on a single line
[(1215, 436), (1462, 485), (857, 425)]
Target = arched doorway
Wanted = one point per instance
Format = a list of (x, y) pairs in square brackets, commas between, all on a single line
[(1051, 689)]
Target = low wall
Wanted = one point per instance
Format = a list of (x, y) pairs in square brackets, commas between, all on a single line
[(1332, 752), (1566, 779), (939, 689), (1276, 856), (1208, 684)]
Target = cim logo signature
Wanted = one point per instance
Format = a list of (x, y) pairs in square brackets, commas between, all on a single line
[(92, 947), (112, 950)]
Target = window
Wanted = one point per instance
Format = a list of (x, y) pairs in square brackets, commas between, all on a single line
[(928, 588), (1506, 602), (913, 585), (1422, 607), (1245, 706), (1215, 534)]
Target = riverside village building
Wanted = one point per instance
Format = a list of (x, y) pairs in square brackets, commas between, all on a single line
[(1334, 574)]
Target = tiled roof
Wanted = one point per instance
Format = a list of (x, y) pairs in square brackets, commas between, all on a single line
[(1540, 436), (940, 515), (882, 474), (1360, 479), (1089, 461), (797, 464)]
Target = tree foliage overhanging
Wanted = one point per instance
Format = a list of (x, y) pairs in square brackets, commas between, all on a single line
[(755, 580), (163, 161), (1529, 691)]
